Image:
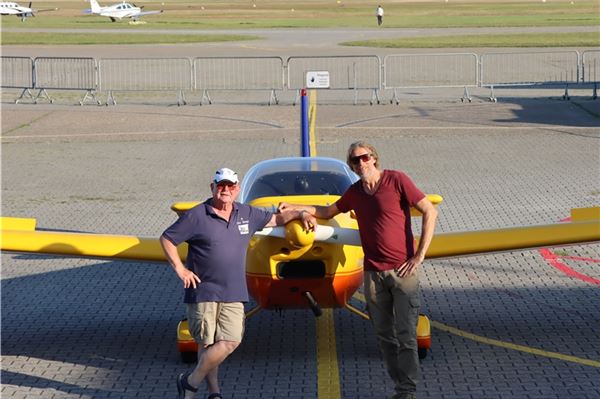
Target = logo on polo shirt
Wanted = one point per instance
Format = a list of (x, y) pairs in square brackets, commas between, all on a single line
[(243, 226)]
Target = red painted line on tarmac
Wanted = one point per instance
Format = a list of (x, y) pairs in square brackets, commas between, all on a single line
[(591, 260), (554, 261)]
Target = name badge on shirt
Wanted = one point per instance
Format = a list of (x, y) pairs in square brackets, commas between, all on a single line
[(243, 228)]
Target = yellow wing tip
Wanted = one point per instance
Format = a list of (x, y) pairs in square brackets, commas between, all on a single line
[(435, 199), (585, 214), (181, 207), (21, 224)]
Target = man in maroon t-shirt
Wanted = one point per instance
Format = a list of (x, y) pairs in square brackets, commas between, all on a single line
[(381, 200)]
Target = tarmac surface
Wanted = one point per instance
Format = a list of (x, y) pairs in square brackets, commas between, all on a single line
[(522, 324)]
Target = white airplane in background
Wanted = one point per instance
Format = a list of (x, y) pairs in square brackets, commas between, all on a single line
[(119, 11), (10, 8)]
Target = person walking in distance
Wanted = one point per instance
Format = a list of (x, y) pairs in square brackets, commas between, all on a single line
[(379, 13)]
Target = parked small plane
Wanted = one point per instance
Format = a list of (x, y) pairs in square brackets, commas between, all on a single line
[(10, 8), (119, 11)]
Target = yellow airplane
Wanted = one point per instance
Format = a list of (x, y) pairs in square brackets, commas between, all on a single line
[(287, 267)]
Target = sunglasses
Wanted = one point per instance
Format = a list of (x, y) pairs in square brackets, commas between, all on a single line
[(364, 157), (224, 184)]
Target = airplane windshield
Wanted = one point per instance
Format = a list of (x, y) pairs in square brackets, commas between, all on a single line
[(296, 176)]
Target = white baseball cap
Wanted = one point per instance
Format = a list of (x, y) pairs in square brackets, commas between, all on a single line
[(226, 174)]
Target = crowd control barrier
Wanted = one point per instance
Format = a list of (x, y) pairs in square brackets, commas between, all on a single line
[(403, 71), (274, 74), (238, 73), (590, 69), (66, 73), (557, 68), (17, 73), (145, 74), (345, 73)]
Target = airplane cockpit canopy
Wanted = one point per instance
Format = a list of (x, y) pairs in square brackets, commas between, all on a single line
[(296, 176)]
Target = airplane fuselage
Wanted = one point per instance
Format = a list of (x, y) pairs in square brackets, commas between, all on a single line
[(10, 8), (119, 11), (279, 273)]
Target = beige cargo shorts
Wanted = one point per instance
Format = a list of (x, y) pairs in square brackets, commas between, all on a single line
[(210, 322)]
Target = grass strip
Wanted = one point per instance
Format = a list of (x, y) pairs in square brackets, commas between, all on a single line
[(578, 39), (244, 14)]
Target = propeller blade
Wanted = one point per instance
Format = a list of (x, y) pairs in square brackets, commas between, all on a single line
[(323, 233)]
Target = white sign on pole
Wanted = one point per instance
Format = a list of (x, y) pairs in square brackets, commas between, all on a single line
[(317, 80)]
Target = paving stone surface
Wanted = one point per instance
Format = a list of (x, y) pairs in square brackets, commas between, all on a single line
[(85, 328)]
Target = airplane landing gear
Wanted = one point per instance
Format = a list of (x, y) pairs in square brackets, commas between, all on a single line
[(314, 306)]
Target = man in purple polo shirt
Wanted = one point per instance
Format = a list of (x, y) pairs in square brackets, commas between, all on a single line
[(217, 232), (381, 200)]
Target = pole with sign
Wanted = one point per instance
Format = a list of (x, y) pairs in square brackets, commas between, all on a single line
[(314, 80), (304, 145)]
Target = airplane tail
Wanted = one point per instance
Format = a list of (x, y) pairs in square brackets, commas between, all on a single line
[(95, 6)]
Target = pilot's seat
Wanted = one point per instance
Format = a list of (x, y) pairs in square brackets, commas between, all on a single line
[(301, 186)]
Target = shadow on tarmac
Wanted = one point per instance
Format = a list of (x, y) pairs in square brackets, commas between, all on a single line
[(120, 318)]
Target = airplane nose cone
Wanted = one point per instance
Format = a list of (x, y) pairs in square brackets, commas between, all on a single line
[(296, 236)]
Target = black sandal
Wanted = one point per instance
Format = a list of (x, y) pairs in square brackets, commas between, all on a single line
[(183, 385), (214, 396)]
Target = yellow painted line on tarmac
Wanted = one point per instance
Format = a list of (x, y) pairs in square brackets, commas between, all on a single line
[(455, 127), (502, 344), (508, 345), (328, 373)]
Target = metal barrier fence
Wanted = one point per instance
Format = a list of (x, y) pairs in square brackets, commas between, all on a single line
[(145, 74), (590, 66), (239, 73), (529, 69), (430, 71), (17, 73), (345, 73), (398, 71), (66, 74), (590, 69)]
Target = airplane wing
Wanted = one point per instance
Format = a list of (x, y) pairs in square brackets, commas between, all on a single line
[(45, 9), (20, 235), (581, 230), (148, 13)]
